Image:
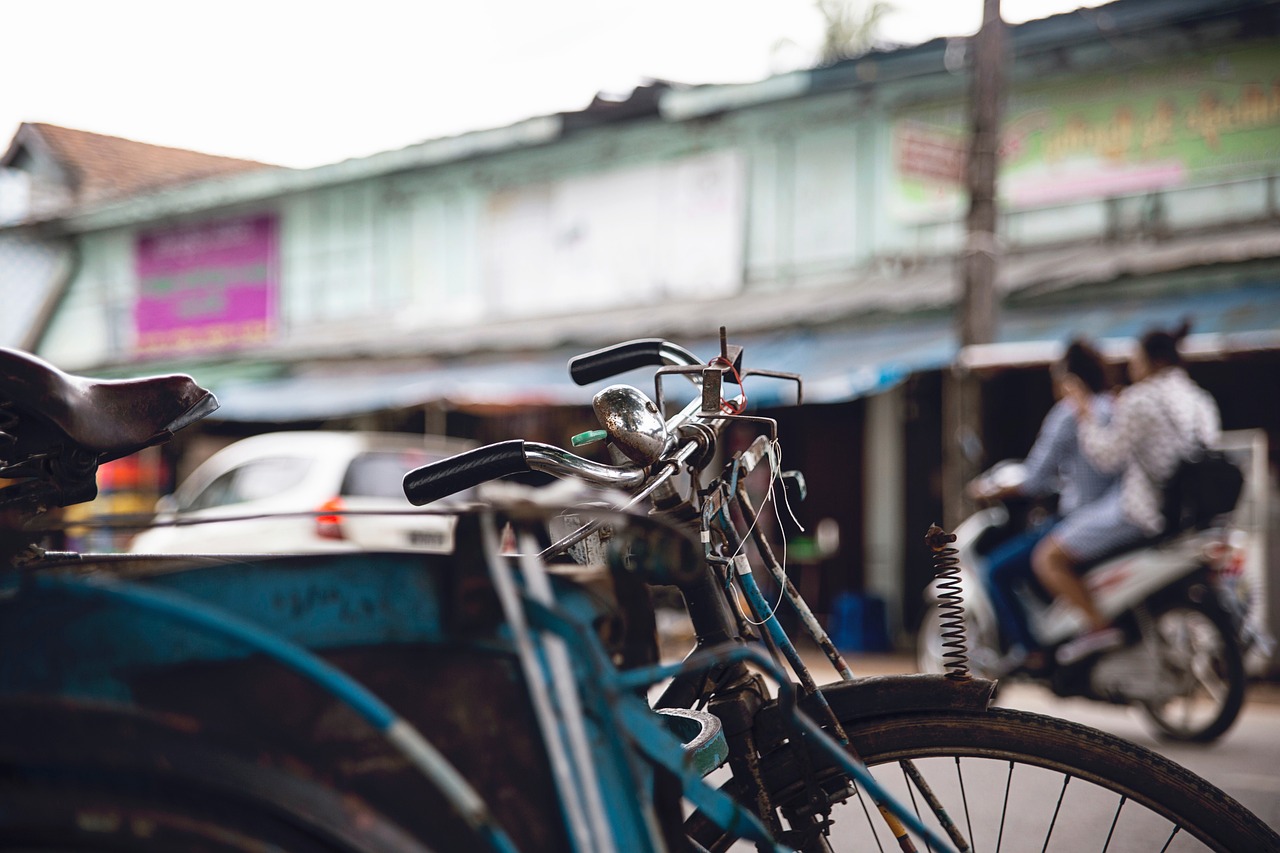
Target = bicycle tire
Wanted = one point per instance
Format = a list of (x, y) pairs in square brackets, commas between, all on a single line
[(1132, 799), (1221, 653), (87, 809), (100, 777)]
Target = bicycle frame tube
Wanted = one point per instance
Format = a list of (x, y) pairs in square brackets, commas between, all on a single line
[(787, 700), (548, 674), (716, 513)]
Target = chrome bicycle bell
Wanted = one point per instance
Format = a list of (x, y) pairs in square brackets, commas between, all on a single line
[(633, 422)]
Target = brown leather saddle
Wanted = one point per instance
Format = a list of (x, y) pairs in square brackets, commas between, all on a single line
[(56, 428)]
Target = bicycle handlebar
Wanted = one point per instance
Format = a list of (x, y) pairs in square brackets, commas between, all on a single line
[(437, 480), (619, 358), (446, 477)]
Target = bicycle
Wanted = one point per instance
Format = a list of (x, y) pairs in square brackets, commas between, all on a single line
[(564, 656)]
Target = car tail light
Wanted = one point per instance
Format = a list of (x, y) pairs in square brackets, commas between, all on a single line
[(329, 519)]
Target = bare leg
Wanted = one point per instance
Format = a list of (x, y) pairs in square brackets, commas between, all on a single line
[(1052, 566)]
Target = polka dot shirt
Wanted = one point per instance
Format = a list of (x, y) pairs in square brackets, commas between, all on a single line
[(1154, 424)]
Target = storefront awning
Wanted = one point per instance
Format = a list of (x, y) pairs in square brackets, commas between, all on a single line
[(539, 380), (1235, 319), (838, 363)]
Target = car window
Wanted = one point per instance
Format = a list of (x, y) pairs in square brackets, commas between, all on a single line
[(380, 473), (255, 480)]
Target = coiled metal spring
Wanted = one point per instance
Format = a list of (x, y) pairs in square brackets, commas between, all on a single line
[(946, 567)]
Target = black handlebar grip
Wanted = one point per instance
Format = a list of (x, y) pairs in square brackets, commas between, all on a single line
[(437, 480), (613, 360)]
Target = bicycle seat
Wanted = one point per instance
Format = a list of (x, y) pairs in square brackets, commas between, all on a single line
[(108, 417)]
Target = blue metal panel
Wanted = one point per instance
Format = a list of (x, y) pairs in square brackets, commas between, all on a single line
[(328, 601), (55, 642)]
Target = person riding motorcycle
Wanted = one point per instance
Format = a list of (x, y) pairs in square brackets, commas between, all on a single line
[(1155, 423), (1054, 464)]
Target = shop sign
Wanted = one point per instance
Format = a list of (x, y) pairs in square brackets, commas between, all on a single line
[(209, 286), (1201, 121)]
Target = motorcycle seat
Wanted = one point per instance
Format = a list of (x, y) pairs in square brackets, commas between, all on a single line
[(108, 417), (1149, 542)]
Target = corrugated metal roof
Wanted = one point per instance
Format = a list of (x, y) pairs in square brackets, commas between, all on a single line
[(267, 184)]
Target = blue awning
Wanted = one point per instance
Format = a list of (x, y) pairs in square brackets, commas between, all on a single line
[(847, 362), (836, 365), (837, 362), (1235, 319), (524, 380)]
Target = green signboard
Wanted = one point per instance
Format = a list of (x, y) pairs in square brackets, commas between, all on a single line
[(1203, 120)]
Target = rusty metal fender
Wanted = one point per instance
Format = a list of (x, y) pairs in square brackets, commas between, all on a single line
[(881, 696)]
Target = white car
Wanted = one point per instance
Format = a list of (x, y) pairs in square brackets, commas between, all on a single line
[(303, 491)]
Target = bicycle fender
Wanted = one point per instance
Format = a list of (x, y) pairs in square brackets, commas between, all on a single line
[(881, 696)]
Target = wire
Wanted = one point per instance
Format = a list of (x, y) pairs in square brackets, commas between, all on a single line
[(775, 450), (731, 407), (774, 456)]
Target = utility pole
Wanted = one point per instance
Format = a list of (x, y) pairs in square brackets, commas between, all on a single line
[(979, 302)]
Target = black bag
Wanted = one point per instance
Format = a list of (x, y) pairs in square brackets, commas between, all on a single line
[(1201, 489)]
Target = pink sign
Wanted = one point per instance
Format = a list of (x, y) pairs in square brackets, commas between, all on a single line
[(206, 287)]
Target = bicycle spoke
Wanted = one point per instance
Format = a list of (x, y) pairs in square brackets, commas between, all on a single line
[(964, 800), (935, 805), (1004, 808), (870, 822), (1066, 780), (1114, 820), (1172, 836)]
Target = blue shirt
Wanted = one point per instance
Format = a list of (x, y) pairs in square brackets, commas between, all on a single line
[(1057, 464)]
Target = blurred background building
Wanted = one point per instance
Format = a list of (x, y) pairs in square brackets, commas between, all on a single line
[(817, 214)]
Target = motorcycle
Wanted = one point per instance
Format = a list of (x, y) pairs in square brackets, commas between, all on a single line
[(1182, 662)]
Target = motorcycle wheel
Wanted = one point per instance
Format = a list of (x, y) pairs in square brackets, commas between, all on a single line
[(931, 653), (1200, 653), (929, 650), (980, 657)]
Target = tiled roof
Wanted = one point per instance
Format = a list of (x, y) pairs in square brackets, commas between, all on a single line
[(105, 167)]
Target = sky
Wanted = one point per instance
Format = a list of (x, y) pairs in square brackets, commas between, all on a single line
[(303, 83)]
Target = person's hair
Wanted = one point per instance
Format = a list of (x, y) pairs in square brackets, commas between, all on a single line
[(1084, 361), (1161, 345)]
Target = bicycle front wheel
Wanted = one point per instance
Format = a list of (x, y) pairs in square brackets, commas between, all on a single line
[(1012, 780)]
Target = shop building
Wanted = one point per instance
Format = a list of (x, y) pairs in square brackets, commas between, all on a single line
[(818, 215)]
